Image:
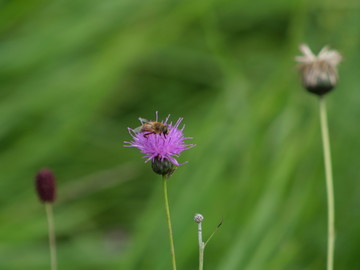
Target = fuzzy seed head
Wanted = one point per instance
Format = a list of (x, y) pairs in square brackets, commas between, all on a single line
[(45, 186), (318, 72)]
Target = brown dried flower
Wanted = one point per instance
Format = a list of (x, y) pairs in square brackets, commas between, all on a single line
[(318, 72)]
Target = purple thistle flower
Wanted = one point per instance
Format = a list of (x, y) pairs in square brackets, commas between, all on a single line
[(161, 147)]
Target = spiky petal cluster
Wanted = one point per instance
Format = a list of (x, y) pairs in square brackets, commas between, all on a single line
[(318, 72), (160, 147)]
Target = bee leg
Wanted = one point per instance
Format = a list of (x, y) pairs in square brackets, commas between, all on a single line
[(147, 134)]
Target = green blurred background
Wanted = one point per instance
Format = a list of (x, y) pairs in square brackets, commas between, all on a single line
[(75, 74)]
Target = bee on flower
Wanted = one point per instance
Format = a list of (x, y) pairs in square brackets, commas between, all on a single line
[(152, 127), (161, 142)]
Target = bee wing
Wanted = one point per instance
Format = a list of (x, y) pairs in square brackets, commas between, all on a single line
[(137, 130), (143, 120)]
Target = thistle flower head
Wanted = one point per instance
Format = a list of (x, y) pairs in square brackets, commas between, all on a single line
[(45, 186), (161, 149), (318, 72)]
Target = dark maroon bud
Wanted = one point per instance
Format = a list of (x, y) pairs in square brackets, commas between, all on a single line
[(45, 186)]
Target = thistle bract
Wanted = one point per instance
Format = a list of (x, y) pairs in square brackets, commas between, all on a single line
[(163, 167)]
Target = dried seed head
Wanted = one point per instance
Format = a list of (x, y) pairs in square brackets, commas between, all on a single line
[(318, 72), (198, 218), (163, 167), (45, 186)]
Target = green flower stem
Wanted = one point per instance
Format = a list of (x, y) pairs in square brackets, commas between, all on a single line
[(52, 241), (168, 218), (201, 247), (329, 184)]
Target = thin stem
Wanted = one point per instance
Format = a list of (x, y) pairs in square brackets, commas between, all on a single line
[(52, 241), (329, 184), (168, 218), (201, 247)]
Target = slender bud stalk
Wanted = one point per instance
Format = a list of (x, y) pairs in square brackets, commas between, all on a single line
[(329, 184), (168, 219), (201, 247), (52, 239)]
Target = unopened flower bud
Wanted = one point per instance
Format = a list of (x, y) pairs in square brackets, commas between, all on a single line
[(318, 72), (163, 167), (198, 218), (45, 186)]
